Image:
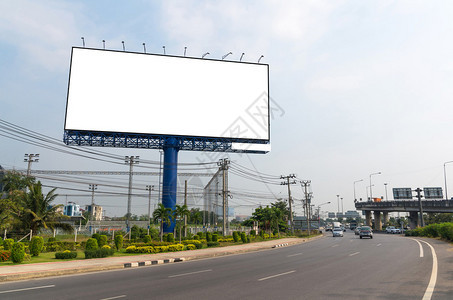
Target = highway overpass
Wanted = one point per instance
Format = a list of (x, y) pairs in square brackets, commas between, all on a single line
[(410, 206)]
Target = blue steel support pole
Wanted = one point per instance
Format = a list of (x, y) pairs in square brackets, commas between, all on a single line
[(170, 176)]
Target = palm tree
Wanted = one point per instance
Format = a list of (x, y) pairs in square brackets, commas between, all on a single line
[(38, 209), (163, 215), (180, 212), (196, 217)]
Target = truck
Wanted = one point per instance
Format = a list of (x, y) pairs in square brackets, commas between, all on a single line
[(336, 224)]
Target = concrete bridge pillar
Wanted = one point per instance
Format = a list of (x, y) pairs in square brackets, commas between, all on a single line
[(377, 220), (368, 218), (386, 217), (413, 219)]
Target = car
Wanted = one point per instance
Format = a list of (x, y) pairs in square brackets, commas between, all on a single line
[(328, 228), (357, 230), (389, 229), (337, 232), (366, 231), (396, 230)]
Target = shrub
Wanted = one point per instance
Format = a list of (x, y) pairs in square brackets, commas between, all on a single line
[(215, 237), (118, 242), (99, 253), (159, 249), (51, 239), (208, 237), (191, 247), (147, 239), (67, 254), (446, 231), (228, 240), (265, 236), (170, 238), (243, 237), (134, 249), (92, 244), (106, 247), (235, 236), (1, 241), (253, 233), (5, 255), (213, 244), (36, 245), (200, 234), (176, 247), (102, 240), (18, 252), (196, 237), (8, 244)]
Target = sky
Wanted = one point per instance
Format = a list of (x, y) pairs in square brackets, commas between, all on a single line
[(361, 87)]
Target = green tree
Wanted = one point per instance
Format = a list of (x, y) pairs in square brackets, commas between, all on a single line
[(39, 211), (163, 215), (196, 217), (180, 212)]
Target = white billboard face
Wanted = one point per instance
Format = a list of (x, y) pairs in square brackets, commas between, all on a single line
[(125, 92)]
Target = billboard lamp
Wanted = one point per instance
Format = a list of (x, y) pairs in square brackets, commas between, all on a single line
[(241, 56)]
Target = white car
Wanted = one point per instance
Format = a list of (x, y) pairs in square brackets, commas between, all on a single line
[(389, 229), (337, 232), (396, 230)]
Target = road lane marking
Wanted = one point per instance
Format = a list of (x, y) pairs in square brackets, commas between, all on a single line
[(28, 289), (432, 281), (378, 245), (116, 297), (291, 255), (273, 276), (336, 245), (420, 246), (355, 253), (190, 273)]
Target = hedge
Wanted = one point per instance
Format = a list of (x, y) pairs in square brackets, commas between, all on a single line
[(191, 247), (18, 252), (8, 244), (66, 254), (36, 245), (443, 230), (99, 253)]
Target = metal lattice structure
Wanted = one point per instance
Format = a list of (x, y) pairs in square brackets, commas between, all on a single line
[(212, 197), (149, 141)]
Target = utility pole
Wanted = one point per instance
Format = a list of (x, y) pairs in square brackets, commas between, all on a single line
[(92, 187), (30, 158), (185, 203), (305, 184), (149, 188), (130, 160), (290, 200), (223, 164)]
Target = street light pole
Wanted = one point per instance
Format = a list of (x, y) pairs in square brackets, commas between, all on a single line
[(355, 198), (386, 195), (319, 207), (338, 203), (445, 178), (371, 189)]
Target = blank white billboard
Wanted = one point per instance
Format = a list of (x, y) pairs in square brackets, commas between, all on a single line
[(112, 91)]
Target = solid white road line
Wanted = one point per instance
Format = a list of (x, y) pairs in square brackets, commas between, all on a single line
[(273, 276), (191, 273), (116, 297), (355, 253), (432, 281), (28, 289), (420, 245), (291, 255)]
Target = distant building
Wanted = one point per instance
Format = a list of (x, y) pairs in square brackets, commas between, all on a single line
[(331, 215), (72, 210), (95, 212), (241, 218)]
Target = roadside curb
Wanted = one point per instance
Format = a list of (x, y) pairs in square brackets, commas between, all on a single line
[(280, 245), (153, 262)]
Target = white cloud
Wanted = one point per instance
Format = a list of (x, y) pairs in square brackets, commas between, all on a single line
[(42, 32)]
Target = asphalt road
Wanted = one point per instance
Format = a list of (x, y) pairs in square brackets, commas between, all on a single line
[(385, 267)]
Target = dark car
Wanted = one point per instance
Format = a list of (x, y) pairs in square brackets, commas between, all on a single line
[(366, 231)]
